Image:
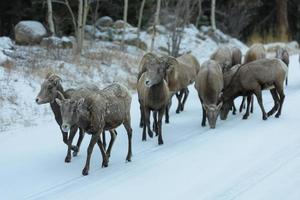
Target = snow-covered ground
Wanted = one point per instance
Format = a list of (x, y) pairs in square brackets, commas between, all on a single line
[(240, 159)]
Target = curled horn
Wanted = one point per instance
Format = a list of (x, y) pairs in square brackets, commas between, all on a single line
[(61, 95)]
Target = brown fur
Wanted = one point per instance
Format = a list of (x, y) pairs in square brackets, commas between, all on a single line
[(236, 56), (255, 52), (104, 110), (223, 56), (209, 85), (254, 77), (283, 54)]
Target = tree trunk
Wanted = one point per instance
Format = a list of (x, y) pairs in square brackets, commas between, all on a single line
[(79, 28), (199, 13), (125, 21), (212, 17), (156, 22), (50, 17), (140, 18), (282, 20), (85, 13)]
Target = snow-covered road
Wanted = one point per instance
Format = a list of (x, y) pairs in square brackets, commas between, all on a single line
[(240, 159)]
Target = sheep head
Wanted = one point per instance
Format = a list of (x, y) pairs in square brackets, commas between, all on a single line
[(49, 89)]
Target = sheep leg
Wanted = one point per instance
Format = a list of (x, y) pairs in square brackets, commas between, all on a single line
[(93, 141), (129, 134), (105, 159), (233, 109), (104, 139), (203, 114), (80, 138), (142, 115), (159, 123), (282, 96), (111, 142), (179, 97), (252, 102), (286, 81), (147, 124), (246, 115), (154, 128), (276, 101), (71, 137), (64, 135), (260, 102), (186, 94), (242, 104), (167, 111)]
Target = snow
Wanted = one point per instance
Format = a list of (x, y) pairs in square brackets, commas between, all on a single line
[(6, 43), (240, 159)]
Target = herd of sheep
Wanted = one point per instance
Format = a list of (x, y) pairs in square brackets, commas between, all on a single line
[(218, 82)]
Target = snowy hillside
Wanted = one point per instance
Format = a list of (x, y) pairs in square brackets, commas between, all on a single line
[(240, 159)]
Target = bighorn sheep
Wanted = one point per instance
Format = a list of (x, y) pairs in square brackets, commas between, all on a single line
[(283, 54), (252, 78), (51, 88), (223, 56), (236, 56), (255, 52), (153, 94), (105, 110), (209, 84)]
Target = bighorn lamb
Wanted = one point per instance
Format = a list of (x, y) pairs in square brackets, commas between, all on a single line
[(209, 84), (283, 54), (255, 52), (51, 88), (223, 56), (153, 94), (105, 110), (253, 77)]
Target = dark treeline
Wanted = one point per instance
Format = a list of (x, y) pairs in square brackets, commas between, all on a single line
[(250, 21)]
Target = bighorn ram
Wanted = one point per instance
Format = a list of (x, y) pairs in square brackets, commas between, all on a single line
[(209, 84), (252, 78), (236, 56), (223, 56), (153, 94), (105, 110), (255, 52), (51, 88), (283, 54)]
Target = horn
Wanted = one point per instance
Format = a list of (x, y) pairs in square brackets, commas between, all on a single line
[(61, 95)]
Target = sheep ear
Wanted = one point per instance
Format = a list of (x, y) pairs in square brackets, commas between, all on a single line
[(219, 106), (80, 102), (58, 101)]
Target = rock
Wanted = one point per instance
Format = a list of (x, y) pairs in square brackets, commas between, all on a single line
[(137, 43), (56, 42), (91, 32), (159, 29), (293, 45), (105, 21), (4, 60), (6, 43), (29, 32), (120, 24)]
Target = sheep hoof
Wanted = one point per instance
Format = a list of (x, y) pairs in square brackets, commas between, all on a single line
[(177, 111), (68, 159), (277, 115), (160, 142), (167, 121), (143, 139), (245, 116), (150, 133), (265, 117), (128, 159), (105, 163), (234, 113), (203, 125), (85, 171)]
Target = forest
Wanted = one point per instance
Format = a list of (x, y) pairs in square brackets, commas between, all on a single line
[(249, 21)]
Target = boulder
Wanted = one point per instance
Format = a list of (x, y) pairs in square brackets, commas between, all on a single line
[(29, 32), (105, 21), (137, 43), (56, 42), (120, 24)]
